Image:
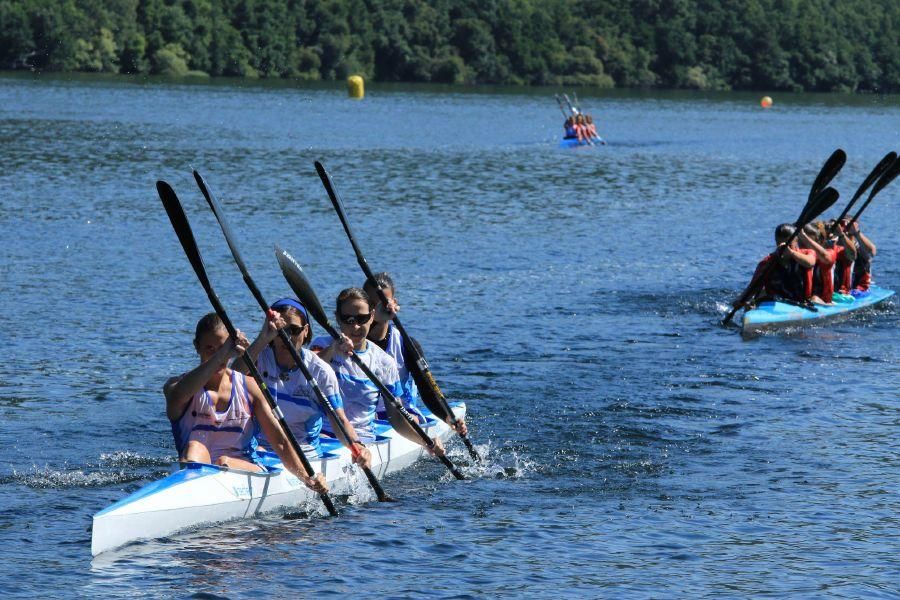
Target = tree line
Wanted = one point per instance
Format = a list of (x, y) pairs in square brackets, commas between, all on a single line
[(796, 45)]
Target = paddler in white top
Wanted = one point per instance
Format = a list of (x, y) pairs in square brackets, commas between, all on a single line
[(212, 408), (389, 338), (360, 395), (301, 408)]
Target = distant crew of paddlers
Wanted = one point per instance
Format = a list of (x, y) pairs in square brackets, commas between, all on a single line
[(581, 127), (827, 263), (578, 126)]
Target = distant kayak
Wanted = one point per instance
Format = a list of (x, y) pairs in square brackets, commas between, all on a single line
[(574, 143), (778, 315)]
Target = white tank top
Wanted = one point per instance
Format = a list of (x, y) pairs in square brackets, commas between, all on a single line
[(359, 393), (227, 433), (295, 396)]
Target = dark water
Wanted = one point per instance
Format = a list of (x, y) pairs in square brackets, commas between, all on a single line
[(571, 298)]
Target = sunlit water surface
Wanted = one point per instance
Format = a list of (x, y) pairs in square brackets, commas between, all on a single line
[(570, 298)]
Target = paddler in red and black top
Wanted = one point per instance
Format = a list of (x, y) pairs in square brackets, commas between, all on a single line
[(862, 267), (828, 254), (791, 277)]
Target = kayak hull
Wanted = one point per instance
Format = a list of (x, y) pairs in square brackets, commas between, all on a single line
[(769, 316), (204, 494), (573, 143)]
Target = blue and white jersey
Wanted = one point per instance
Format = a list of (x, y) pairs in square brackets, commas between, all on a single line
[(360, 395), (296, 398), (227, 433), (394, 349)]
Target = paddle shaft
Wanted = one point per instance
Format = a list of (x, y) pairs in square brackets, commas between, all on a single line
[(285, 338), (186, 237), (420, 364), (559, 104)]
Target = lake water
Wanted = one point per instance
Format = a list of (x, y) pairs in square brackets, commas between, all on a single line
[(570, 298)]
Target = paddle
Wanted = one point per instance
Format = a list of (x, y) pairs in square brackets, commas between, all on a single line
[(559, 104), (574, 110), (828, 171), (812, 209), (186, 237), (880, 168), (428, 388), (883, 181), (304, 292), (285, 338)]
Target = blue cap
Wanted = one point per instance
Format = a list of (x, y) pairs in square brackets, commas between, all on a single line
[(293, 304)]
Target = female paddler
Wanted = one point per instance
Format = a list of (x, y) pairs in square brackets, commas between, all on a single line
[(212, 408), (361, 396), (383, 333), (283, 377)]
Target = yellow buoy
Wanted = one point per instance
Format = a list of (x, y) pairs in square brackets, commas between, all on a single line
[(356, 87), (766, 102)]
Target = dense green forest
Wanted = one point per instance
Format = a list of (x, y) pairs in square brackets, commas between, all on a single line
[(815, 45)]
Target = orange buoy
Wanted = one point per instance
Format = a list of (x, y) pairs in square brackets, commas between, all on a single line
[(766, 102)]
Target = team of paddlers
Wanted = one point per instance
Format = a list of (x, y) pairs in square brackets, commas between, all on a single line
[(581, 127), (219, 416), (827, 263)]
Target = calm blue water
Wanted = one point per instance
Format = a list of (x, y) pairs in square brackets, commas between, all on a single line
[(571, 298)]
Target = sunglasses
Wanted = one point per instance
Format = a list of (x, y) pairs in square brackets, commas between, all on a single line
[(356, 319), (295, 330)]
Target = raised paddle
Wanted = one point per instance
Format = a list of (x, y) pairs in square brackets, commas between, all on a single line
[(285, 338), (186, 237), (428, 388), (559, 104), (880, 168), (885, 179), (815, 207), (828, 171), (403, 422)]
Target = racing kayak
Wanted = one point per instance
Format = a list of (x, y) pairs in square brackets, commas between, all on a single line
[(203, 494), (574, 143), (776, 315)]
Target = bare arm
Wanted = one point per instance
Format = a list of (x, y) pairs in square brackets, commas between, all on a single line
[(365, 457), (866, 243), (807, 261), (822, 255), (849, 247), (273, 322), (278, 440)]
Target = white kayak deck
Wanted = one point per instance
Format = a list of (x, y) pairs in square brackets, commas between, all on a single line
[(202, 494)]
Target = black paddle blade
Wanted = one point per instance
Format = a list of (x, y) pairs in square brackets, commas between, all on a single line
[(879, 169), (295, 277), (822, 202), (828, 171), (889, 175), (883, 181)]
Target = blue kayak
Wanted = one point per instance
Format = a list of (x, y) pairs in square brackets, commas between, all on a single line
[(776, 315), (574, 143)]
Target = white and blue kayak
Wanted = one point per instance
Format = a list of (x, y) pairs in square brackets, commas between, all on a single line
[(204, 494), (777, 315)]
